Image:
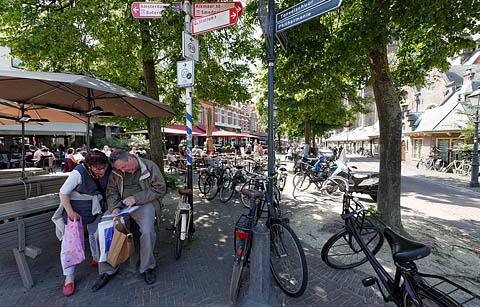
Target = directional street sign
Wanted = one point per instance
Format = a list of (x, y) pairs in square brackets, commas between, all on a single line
[(190, 47), (152, 9), (304, 11), (215, 21), (202, 9), (185, 73)]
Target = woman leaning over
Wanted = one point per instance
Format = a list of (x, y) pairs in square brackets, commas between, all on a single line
[(81, 197)]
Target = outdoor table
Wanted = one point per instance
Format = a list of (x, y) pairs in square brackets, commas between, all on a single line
[(16, 189)]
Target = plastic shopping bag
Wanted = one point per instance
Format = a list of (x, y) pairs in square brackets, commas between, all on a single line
[(74, 252), (105, 235)]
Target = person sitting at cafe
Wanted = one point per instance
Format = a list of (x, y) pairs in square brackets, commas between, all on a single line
[(173, 160), (4, 160), (45, 159), (78, 157), (69, 161), (197, 151)]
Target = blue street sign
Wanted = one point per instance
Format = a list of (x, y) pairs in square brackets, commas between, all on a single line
[(298, 8), (305, 15)]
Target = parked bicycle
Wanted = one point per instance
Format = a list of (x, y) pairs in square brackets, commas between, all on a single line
[(287, 259), (182, 221), (360, 240)]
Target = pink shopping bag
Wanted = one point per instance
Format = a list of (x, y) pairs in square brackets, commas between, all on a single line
[(74, 243)]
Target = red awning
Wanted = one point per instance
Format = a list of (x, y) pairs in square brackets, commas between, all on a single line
[(226, 134)]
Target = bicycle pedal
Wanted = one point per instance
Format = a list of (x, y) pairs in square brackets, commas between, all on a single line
[(369, 281)]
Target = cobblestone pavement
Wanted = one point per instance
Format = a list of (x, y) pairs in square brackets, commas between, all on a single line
[(200, 278)]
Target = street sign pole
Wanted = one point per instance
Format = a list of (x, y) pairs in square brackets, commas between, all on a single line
[(188, 95), (271, 62)]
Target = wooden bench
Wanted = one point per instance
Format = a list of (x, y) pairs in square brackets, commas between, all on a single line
[(23, 223)]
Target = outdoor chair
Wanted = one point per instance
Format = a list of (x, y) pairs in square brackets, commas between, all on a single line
[(69, 165), (47, 164)]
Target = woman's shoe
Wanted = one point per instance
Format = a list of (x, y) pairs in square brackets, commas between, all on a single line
[(68, 289), (94, 263)]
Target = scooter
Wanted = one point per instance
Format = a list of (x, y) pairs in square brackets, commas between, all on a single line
[(364, 183)]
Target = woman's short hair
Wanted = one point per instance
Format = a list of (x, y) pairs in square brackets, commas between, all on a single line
[(96, 158)]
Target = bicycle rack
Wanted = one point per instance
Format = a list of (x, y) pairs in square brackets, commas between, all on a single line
[(445, 287)]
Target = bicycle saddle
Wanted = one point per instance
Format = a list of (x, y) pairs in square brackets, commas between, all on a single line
[(405, 250), (239, 166), (185, 191), (252, 193), (283, 169)]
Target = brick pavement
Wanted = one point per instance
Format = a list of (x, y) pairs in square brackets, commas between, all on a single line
[(200, 278)]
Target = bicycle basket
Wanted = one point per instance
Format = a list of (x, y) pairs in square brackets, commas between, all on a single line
[(448, 290), (244, 223)]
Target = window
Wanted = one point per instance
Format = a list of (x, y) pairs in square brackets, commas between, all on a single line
[(217, 116), (417, 148), (229, 118), (443, 145), (223, 117)]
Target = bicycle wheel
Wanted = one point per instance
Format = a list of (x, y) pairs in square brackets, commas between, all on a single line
[(251, 186), (334, 187), (282, 182), (235, 282), (202, 182), (287, 260), (213, 188), (226, 190), (179, 241), (301, 182), (342, 251), (428, 298), (421, 164)]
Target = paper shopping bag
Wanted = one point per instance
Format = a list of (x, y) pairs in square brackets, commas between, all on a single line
[(105, 235), (122, 244), (74, 252)]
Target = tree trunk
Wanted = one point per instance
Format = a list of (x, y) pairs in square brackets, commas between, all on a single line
[(307, 128), (390, 118), (154, 124)]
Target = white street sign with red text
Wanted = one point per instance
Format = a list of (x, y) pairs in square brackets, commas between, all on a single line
[(202, 9), (152, 9), (215, 21)]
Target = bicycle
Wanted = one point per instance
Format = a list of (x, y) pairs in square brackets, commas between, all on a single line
[(407, 287), (287, 259), (259, 182), (211, 181), (232, 184), (182, 221)]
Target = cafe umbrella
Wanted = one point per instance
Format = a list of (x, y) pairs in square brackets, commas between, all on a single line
[(12, 113), (83, 94)]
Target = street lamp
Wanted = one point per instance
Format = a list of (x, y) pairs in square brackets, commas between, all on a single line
[(474, 102)]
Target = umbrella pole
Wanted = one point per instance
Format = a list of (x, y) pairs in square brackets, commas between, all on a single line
[(88, 133), (23, 175)]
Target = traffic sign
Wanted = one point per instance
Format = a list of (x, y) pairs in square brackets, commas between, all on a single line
[(185, 73), (202, 9), (298, 8), (215, 21), (304, 13), (153, 9), (190, 47)]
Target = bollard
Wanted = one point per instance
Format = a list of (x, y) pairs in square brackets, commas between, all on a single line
[(259, 285)]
